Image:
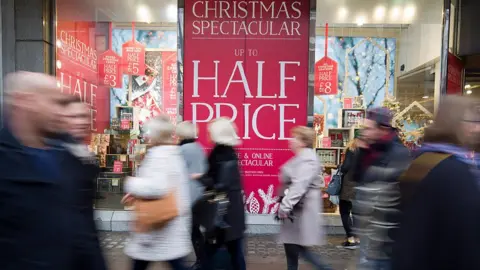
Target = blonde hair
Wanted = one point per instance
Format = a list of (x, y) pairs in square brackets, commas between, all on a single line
[(352, 145), (223, 131), (160, 130), (305, 134), (186, 130)]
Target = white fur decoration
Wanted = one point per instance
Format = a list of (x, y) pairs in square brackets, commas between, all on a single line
[(268, 199)]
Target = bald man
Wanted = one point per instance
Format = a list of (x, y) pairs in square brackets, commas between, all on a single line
[(39, 216)]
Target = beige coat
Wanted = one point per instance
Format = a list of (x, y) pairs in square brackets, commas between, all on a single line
[(303, 172)]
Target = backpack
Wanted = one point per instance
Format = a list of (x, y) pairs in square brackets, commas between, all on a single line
[(417, 171)]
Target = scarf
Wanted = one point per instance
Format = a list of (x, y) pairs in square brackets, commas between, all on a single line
[(186, 141), (468, 157), (375, 150)]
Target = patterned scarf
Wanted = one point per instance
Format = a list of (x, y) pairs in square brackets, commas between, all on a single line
[(468, 157)]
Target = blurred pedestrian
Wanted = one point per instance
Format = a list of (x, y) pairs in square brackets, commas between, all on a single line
[(299, 209), (88, 253), (161, 172), (224, 175), (347, 194), (38, 191), (441, 195), (196, 163), (377, 199)]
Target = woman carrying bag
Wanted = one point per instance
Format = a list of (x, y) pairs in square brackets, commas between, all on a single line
[(161, 198), (301, 204), (347, 194)]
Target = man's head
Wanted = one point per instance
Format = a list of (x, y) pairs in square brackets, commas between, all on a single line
[(35, 98), (377, 125), (77, 119), (457, 122)]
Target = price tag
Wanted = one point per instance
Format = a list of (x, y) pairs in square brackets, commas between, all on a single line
[(109, 70), (117, 167), (133, 58)]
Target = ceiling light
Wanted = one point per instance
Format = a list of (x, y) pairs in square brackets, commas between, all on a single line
[(143, 14), (469, 92), (468, 86), (360, 20), (59, 43), (379, 12), (409, 12), (342, 13), (425, 97), (172, 12), (59, 64), (395, 13)]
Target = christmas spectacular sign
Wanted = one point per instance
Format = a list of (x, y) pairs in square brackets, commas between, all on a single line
[(109, 70), (248, 60), (76, 70), (133, 58)]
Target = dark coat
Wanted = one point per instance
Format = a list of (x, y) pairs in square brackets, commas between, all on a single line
[(347, 193), (441, 221), (44, 223), (228, 179), (377, 198)]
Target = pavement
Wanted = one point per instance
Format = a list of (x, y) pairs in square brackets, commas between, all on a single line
[(263, 253)]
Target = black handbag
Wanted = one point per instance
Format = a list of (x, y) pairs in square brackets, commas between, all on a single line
[(335, 185)]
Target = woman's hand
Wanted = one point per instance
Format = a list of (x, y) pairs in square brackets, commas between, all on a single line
[(127, 199), (195, 176)]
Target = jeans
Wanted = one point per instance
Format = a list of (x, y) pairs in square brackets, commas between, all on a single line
[(177, 264), (198, 242), (293, 252), (236, 250), (347, 219)]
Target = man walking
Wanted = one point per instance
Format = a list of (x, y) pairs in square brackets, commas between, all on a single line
[(376, 207), (38, 181)]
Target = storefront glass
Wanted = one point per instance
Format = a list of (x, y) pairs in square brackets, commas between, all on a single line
[(378, 53), (120, 58), (268, 64)]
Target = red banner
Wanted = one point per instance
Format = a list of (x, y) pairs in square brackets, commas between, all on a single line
[(249, 61), (326, 73), (455, 75), (133, 58), (170, 84), (109, 71), (76, 69)]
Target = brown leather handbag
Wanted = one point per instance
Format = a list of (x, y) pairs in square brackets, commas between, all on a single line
[(154, 214)]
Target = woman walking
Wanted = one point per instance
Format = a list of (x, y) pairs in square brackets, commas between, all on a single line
[(162, 172), (224, 174), (347, 194), (196, 163), (302, 202)]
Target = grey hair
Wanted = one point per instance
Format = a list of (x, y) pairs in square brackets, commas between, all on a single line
[(24, 81), (160, 130), (186, 130), (223, 131)]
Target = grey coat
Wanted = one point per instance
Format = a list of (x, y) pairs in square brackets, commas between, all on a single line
[(196, 162), (302, 174)]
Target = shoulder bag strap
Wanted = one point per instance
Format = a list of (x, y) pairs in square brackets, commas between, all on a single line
[(417, 171)]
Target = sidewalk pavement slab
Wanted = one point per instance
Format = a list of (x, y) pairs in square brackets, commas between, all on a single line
[(262, 253)]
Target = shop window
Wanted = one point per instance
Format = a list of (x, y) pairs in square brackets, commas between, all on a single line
[(378, 54), (119, 58)]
